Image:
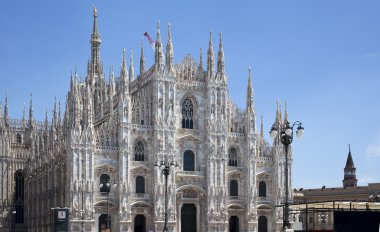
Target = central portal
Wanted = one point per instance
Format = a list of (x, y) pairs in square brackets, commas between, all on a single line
[(140, 223), (188, 218), (104, 220)]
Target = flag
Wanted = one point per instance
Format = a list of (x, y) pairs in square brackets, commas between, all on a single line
[(149, 39)]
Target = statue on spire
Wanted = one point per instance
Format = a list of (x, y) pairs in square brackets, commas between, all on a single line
[(95, 11)]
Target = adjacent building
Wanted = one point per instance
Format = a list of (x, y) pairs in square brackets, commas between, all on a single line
[(97, 155), (322, 202)]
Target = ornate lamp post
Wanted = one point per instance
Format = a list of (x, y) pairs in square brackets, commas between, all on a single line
[(107, 184), (165, 167), (286, 137)]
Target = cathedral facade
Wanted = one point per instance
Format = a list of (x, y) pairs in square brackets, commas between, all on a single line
[(97, 158)]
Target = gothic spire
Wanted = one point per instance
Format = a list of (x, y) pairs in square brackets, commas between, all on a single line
[(200, 59), (23, 121), (111, 90), (95, 49), (142, 59), (158, 50), (262, 131), (169, 50), (286, 113), (200, 66), (54, 119), (46, 121), (124, 71), (1, 116), (77, 107), (349, 162), (349, 171), (131, 68), (54, 122), (277, 112), (111, 87), (6, 112), (71, 82), (221, 58), (59, 114), (210, 59), (31, 119), (250, 100), (123, 78), (59, 124)]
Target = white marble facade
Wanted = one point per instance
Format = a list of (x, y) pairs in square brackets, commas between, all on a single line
[(229, 178)]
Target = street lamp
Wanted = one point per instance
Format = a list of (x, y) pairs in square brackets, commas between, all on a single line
[(286, 138), (165, 167), (107, 184)]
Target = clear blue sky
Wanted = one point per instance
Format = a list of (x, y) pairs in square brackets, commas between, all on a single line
[(322, 56)]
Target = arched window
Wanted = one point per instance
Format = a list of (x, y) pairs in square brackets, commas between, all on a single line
[(19, 197), (188, 161), (140, 184), (18, 138), (139, 151), (187, 113), (234, 188), (262, 189), (104, 180), (263, 224), (232, 157)]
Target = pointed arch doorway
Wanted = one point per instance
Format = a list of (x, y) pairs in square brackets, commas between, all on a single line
[(103, 219), (188, 218), (263, 224), (234, 224), (140, 223)]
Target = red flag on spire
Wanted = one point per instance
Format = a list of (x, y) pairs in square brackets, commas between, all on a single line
[(149, 39)]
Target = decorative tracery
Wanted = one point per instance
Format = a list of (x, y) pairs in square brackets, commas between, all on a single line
[(139, 151), (187, 113), (18, 138), (232, 157)]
